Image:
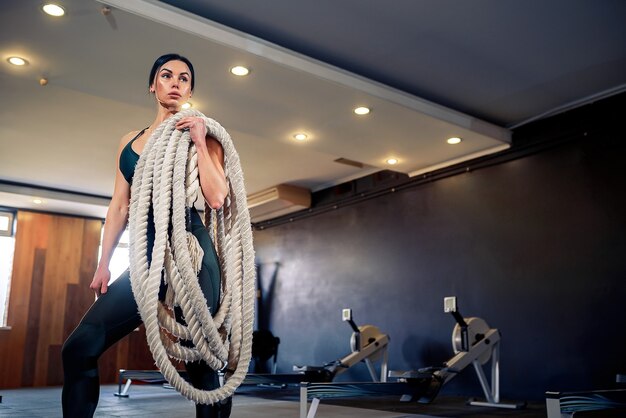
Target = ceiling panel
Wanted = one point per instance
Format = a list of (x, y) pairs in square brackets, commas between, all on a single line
[(415, 74)]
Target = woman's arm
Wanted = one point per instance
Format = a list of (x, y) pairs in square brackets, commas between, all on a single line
[(210, 162), (114, 225)]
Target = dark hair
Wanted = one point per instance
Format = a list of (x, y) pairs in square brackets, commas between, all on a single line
[(166, 58)]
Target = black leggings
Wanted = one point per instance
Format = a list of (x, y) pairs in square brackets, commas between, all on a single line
[(113, 316)]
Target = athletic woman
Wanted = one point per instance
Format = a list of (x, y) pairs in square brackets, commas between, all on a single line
[(114, 314)]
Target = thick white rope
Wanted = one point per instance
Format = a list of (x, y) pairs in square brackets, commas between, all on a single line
[(166, 179)]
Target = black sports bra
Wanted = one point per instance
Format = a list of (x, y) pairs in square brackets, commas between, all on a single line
[(129, 158), (128, 161)]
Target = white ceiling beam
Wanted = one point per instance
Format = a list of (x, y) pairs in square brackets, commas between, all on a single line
[(187, 22)]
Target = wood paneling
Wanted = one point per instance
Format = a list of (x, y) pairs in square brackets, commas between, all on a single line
[(33, 324), (55, 258)]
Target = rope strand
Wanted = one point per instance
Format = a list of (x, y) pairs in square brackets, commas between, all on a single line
[(166, 179)]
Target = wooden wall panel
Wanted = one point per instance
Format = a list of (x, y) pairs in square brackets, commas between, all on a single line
[(62, 268), (31, 234), (55, 258), (33, 326)]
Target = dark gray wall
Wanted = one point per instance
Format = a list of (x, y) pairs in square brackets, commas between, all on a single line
[(536, 246)]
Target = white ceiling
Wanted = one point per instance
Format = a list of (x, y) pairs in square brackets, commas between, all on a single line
[(64, 136)]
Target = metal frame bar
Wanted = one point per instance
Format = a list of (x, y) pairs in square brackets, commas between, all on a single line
[(553, 408), (566, 404), (368, 351), (141, 376), (321, 390), (492, 390), (305, 411)]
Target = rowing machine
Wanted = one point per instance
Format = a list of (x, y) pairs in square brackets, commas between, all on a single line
[(367, 343), (474, 343)]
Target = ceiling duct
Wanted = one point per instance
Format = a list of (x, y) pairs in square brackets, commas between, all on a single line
[(278, 201)]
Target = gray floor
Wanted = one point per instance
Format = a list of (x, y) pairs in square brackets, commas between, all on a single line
[(157, 401)]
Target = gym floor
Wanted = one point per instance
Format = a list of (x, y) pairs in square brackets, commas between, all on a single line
[(156, 401)]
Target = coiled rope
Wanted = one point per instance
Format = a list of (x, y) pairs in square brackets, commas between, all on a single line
[(166, 179)]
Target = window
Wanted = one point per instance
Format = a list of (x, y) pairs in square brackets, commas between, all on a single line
[(7, 249), (119, 259), (6, 223)]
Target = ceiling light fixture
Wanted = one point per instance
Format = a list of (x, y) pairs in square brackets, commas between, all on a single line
[(300, 137), (392, 161), (240, 70), (454, 140), (362, 110), (19, 61), (53, 9), (186, 106), (37, 201)]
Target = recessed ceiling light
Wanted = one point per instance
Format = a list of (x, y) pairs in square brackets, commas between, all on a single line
[(37, 201), (53, 9), (453, 141), (300, 137), (362, 110), (392, 161), (186, 106), (17, 61), (240, 71)]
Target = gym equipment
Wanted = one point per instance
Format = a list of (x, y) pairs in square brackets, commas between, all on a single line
[(264, 347), (367, 342), (474, 343), (566, 404), (144, 376), (368, 345)]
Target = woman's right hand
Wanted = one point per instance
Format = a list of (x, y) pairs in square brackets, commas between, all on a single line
[(100, 282)]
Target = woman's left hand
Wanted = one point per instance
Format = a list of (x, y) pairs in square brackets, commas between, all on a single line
[(196, 127)]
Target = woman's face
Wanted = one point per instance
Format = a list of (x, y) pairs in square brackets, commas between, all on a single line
[(172, 84)]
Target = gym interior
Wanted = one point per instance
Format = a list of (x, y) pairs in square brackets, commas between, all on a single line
[(530, 238)]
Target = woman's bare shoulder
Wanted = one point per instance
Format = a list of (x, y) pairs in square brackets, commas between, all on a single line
[(127, 138)]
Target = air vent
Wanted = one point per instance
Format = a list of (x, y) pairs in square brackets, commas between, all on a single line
[(352, 163), (278, 201)]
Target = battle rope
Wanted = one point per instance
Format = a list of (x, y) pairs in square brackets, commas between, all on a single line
[(166, 179)]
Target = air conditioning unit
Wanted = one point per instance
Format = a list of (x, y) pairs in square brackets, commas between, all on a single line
[(278, 201)]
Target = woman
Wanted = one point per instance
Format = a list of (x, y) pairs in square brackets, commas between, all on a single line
[(115, 314)]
